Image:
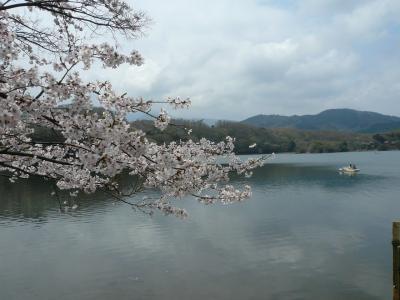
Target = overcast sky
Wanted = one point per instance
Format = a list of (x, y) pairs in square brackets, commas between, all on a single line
[(238, 58)]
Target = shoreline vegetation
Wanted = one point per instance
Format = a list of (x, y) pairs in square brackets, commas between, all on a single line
[(268, 140)]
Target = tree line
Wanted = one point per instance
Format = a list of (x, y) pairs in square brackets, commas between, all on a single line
[(278, 140)]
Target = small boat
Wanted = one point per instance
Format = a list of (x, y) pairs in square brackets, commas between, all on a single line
[(349, 170)]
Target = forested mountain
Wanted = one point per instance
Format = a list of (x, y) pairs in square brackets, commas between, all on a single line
[(269, 140), (332, 119)]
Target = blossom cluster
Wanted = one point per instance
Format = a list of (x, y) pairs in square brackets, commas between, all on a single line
[(41, 88)]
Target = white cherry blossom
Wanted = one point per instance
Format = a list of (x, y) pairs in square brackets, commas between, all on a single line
[(84, 148)]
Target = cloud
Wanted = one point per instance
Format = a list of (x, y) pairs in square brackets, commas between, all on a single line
[(240, 58)]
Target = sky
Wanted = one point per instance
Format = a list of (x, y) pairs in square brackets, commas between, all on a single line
[(239, 58)]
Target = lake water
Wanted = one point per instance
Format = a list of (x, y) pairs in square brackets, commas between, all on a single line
[(307, 233)]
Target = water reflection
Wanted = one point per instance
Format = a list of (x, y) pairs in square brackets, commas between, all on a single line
[(307, 233), (281, 175), (31, 201)]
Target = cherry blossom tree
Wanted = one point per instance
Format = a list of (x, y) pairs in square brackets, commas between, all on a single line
[(45, 48)]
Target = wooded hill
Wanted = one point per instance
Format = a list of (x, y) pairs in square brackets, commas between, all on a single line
[(267, 140), (333, 119), (276, 140)]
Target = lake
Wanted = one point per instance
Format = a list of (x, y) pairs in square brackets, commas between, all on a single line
[(307, 233)]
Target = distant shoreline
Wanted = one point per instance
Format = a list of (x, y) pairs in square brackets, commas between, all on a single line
[(361, 151)]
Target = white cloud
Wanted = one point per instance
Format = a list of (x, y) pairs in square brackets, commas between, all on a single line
[(370, 18), (239, 58), (327, 66)]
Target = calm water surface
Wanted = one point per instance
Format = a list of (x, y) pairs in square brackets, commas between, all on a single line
[(307, 233)]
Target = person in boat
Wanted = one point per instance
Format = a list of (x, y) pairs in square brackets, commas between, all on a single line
[(352, 166)]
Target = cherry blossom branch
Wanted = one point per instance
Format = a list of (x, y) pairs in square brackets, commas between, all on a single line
[(27, 4), (50, 128), (14, 153)]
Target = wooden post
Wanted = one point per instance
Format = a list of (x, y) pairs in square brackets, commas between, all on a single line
[(396, 260)]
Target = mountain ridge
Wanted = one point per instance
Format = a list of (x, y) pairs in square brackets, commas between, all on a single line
[(338, 119)]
